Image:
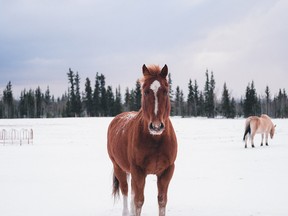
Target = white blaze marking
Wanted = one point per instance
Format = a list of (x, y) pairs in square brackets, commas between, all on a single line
[(154, 87)]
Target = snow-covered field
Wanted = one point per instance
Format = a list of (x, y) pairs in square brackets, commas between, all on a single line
[(67, 172)]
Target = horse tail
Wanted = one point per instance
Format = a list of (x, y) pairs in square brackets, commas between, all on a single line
[(115, 192), (247, 130)]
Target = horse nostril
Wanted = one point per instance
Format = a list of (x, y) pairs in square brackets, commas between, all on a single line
[(156, 127)]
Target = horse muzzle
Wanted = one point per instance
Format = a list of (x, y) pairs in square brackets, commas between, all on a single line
[(156, 128)]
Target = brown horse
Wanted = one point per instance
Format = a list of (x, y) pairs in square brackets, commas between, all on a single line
[(144, 142), (262, 125)]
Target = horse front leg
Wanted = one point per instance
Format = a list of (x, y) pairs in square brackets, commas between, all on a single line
[(252, 140), (262, 138), (266, 137), (138, 184), (163, 181)]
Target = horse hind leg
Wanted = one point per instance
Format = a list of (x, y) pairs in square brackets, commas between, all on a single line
[(262, 138), (266, 137), (120, 181), (252, 140)]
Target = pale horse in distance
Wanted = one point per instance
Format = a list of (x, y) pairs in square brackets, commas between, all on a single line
[(258, 125)]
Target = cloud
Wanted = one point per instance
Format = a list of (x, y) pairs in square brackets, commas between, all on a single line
[(237, 40)]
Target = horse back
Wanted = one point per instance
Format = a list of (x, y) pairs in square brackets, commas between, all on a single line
[(260, 124)]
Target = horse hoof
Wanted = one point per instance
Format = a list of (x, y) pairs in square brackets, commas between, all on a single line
[(253, 146)]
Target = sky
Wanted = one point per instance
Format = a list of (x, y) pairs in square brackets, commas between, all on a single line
[(239, 41)]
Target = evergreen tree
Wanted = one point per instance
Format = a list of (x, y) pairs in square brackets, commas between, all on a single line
[(182, 106), (190, 99), (132, 103), (201, 110), (177, 110), (228, 108), (117, 104), (196, 99), (251, 105), (103, 96), (70, 110), (39, 100), (171, 94), (78, 104), (209, 95), (138, 96), (281, 104), (22, 104), (88, 98), (126, 100), (8, 101), (47, 102), (232, 108), (225, 102), (110, 101), (96, 96), (31, 104), (267, 97)]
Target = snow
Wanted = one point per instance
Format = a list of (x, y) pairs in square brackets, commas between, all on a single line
[(67, 172)]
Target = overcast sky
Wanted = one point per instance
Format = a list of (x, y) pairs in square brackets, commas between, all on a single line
[(239, 41)]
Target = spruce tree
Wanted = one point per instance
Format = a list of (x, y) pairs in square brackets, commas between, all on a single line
[(267, 97), (8, 101), (103, 96), (251, 104), (70, 106), (110, 101), (177, 110), (39, 100), (190, 99), (96, 96), (196, 99), (47, 102), (78, 103), (117, 104), (88, 98), (138, 96), (126, 100), (171, 94)]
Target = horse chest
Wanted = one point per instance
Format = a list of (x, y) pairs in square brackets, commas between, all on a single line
[(152, 161)]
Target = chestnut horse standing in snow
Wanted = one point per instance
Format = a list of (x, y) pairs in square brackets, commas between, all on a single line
[(262, 125), (144, 142)]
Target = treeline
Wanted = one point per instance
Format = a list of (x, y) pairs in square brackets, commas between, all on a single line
[(99, 99)]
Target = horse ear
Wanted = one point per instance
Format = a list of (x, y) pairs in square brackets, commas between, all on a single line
[(164, 71), (145, 70)]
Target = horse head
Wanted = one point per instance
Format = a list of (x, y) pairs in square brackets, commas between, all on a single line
[(272, 131), (155, 98)]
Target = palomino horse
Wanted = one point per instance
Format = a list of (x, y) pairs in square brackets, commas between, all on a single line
[(144, 142), (262, 125)]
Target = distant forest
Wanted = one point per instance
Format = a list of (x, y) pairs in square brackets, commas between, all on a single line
[(99, 99)]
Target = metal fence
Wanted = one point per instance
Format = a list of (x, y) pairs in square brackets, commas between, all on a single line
[(16, 136)]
